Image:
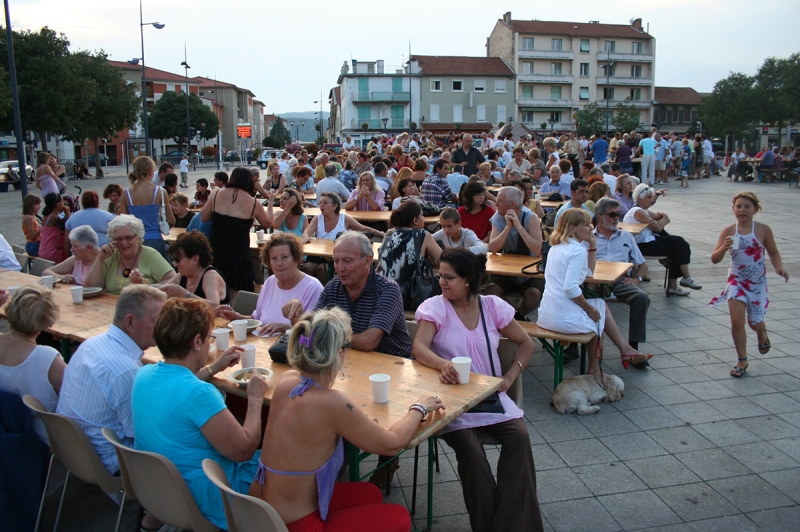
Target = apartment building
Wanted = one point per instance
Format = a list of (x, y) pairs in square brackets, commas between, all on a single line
[(468, 94), (376, 98), (677, 108), (562, 66), (237, 106)]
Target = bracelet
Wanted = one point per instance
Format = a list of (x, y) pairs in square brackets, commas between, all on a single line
[(593, 249), (419, 408), (210, 373), (520, 364), (187, 295)]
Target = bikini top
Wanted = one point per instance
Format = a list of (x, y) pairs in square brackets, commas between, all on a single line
[(326, 473)]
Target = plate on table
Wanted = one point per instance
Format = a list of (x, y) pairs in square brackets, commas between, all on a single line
[(242, 376), (261, 242), (92, 291), (252, 324), (55, 280)]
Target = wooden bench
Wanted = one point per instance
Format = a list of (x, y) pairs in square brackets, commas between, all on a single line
[(554, 342), (767, 172)]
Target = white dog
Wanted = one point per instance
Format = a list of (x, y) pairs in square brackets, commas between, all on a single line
[(580, 394)]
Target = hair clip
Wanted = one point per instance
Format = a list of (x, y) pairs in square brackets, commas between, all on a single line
[(306, 340)]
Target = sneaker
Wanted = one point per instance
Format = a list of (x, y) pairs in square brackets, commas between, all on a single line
[(689, 283), (677, 292)]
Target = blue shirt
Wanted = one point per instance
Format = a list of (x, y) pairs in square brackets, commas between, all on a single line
[(170, 406), (200, 225), (562, 187), (662, 152), (97, 219), (600, 150), (96, 390), (569, 205), (648, 146)]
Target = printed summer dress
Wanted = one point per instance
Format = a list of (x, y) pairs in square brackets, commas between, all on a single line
[(747, 277)]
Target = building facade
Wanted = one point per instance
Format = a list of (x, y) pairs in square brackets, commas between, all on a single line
[(236, 108), (562, 66), (677, 109), (469, 94)]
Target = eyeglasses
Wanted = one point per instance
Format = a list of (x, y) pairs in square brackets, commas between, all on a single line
[(448, 278), (211, 336), (613, 214), (121, 239)]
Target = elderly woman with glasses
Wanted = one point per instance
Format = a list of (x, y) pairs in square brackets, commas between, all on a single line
[(125, 260), (85, 248), (654, 240), (178, 414)]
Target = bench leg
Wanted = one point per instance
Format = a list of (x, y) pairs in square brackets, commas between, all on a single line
[(583, 359)]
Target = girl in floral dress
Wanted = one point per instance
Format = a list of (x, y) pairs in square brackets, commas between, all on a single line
[(746, 292)]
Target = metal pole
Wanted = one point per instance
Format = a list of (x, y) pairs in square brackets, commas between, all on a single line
[(12, 68), (188, 118), (144, 86), (219, 127)]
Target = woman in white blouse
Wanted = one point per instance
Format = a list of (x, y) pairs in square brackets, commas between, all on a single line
[(564, 308)]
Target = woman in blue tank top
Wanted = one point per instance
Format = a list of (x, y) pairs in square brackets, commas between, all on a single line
[(144, 200)]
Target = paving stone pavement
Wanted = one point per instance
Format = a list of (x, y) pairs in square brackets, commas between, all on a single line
[(687, 448)]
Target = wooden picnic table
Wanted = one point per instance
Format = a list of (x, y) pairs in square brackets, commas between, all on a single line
[(632, 228), (507, 264), (364, 216)]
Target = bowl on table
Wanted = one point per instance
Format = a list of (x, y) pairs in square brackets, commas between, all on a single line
[(242, 376), (89, 291)]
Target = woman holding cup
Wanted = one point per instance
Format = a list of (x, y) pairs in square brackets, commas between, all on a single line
[(460, 321), (302, 450)]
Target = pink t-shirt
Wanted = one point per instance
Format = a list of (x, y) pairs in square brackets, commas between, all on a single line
[(272, 298), (453, 339), (80, 271), (363, 204)]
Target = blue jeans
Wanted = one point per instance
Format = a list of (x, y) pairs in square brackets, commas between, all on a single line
[(32, 249)]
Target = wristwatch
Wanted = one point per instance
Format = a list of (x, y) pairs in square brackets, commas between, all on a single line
[(640, 279)]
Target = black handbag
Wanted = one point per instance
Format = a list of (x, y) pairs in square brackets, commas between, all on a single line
[(492, 404), (278, 351), (423, 284), (429, 209)]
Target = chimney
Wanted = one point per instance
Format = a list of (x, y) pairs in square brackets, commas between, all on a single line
[(637, 24), (507, 17)]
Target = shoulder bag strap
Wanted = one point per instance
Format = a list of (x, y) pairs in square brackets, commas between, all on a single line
[(163, 209), (486, 335)]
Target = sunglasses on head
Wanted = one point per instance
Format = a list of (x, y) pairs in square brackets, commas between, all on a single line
[(612, 214)]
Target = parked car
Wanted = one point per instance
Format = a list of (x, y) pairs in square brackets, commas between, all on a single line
[(266, 156), (232, 156), (176, 153), (103, 159), (337, 148), (13, 166)]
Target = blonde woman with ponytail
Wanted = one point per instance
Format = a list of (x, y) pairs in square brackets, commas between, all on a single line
[(144, 200), (302, 449)]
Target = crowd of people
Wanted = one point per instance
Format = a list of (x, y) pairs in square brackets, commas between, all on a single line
[(171, 408)]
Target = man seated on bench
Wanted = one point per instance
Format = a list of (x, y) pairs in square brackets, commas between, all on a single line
[(517, 231), (615, 245)]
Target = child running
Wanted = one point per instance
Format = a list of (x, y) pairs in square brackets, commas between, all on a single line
[(748, 241)]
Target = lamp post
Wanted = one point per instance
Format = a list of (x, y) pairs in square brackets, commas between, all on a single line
[(12, 69), (608, 67), (158, 26), (186, 68), (291, 125), (320, 118), (552, 121)]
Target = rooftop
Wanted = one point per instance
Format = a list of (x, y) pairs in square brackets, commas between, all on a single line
[(677, 96), (578, 29), (153, 74), (447, 65)]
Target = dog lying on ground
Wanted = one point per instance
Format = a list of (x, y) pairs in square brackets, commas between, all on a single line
[(580, 394)]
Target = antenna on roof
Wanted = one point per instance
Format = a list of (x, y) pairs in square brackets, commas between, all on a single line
[(631, 21)]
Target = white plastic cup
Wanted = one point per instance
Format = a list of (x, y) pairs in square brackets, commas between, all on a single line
[(77, 294), (223, 337), (47, 281), (380, 387), (12, 290), (248, 358), (260, 234), (462, 365), (239, 330), (735, 242)]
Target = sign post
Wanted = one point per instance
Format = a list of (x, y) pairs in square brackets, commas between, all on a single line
[(243, 132)]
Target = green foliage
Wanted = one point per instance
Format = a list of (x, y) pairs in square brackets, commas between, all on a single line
[(729, 109), (5, 94), (776, 90), (543, 125), (280, 133), (591, 119), (168, 118), (256, 152), (627, 116), (272, 142)]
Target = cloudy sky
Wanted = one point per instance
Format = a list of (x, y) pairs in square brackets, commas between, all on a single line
[(287, 57)]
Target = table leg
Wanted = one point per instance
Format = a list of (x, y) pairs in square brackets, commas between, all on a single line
[(431, 446), (583, 359), (353, 462), (66, 349), (414, 491)]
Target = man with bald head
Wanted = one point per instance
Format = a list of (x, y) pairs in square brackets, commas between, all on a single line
[(468, 156)]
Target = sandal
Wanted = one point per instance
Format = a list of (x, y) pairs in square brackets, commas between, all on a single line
[(637, 361), (765, 347), (739, 372)]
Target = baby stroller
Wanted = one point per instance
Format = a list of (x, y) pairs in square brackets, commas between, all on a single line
[(71, 201)]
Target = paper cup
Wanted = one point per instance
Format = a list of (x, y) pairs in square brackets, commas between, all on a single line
[(462, 367), (248, 358), (735, 242), (223, 336), (380, 387), (12, 290), (260, 234), (239, 330), (77, 294), (47, 281)]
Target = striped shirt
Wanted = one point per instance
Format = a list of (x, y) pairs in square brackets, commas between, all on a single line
[(96, 390), (379, 306)]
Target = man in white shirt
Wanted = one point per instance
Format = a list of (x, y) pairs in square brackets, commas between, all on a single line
[(348, 143), (414, 144), (97, 385), (185, 171), (8, 260), (708, 155), (609, 178), (619, 246), (163, 170), (736, 158), (330, 183), (284, 162)]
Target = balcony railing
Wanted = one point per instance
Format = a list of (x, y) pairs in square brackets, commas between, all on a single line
[(616, 80), (637, 104), (376, 124), (544, 102), (546, 54), (559, 127), (629, 58), (544, 78), (381, 96)]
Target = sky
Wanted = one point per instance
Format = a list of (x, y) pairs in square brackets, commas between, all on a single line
[(289, 57)]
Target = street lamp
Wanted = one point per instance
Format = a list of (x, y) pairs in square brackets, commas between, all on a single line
[(291, 125), (158, 26), (320, 118), (186, 68), (608, 67), (552, 121)]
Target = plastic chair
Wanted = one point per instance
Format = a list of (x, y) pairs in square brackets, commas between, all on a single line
[(243, 513), (155, 481), (245, 303), (73, 448), (24, 260), (17, 249), (412, 329), (40, 265)]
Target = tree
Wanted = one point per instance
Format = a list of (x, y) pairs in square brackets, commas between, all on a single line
[(5, 93), (774, 93), (272, 142), (627, 116), (729, 109), (51, 93), (280, 133), (591, 119), (167, 119)]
